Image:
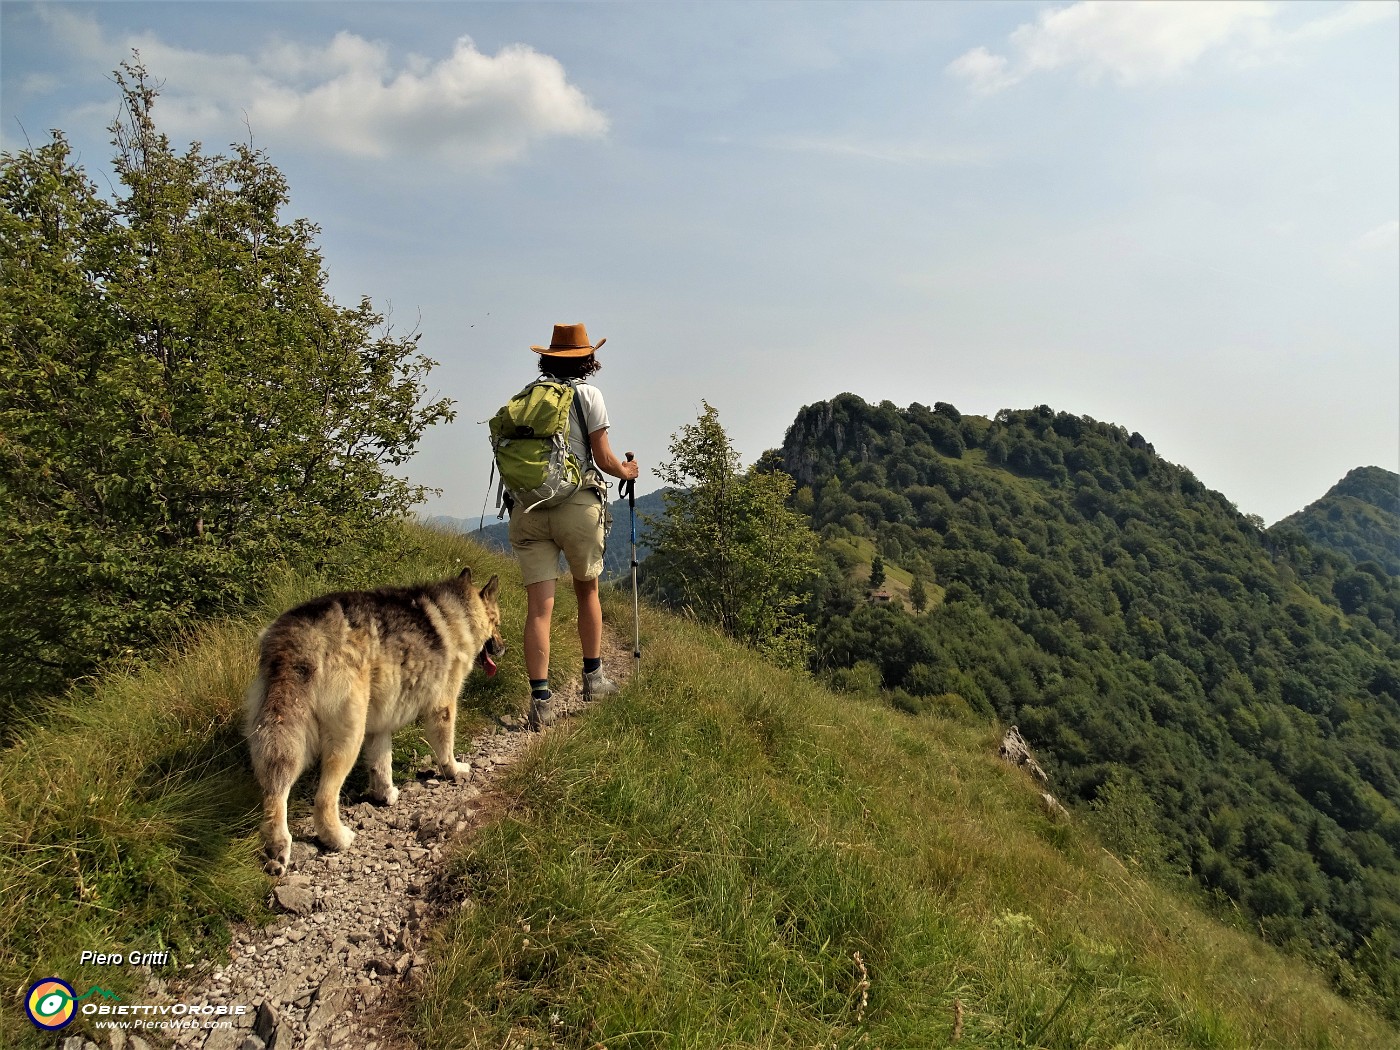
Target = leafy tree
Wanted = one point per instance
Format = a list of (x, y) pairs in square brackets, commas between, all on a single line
[(1127, 819), (918, 594), (182, 406), (877, 573), (727, 546)]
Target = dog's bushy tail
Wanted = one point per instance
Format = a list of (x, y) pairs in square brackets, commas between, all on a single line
[(275, 723)]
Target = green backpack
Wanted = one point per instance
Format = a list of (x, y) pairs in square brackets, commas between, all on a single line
[(530, 437)]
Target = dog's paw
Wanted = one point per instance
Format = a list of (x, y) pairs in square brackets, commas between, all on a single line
[(388, 796), (277, 862), (457, 770), (337, 838)]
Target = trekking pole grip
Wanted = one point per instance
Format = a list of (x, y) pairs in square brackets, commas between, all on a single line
[(631, 486)]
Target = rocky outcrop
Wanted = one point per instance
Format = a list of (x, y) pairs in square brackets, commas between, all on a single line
[(1017, 752)]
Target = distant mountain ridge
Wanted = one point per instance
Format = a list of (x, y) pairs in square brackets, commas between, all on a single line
[(617, 554), (1359, 517)]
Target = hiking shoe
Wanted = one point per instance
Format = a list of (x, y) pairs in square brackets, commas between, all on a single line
[(596, 684), (542, 714)]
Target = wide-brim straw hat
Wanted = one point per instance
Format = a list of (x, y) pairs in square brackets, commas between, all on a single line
[(570, 340)]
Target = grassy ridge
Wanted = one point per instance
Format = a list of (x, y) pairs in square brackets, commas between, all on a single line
[(128, 821), (724, 856), (696, 864)]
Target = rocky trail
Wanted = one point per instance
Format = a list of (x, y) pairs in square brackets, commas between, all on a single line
[(332, 969)]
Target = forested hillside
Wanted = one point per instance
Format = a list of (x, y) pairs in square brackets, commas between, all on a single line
[(1359, 517), (1228, 700)]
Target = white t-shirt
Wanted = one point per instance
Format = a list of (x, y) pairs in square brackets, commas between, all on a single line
[(589, 400)]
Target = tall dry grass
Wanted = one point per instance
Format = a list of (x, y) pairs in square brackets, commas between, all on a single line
[(726, 855)]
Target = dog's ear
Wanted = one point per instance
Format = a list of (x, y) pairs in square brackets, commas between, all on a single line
[(465, 576), (488, 593)]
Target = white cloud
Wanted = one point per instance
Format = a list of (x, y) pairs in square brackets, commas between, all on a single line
[(40, 84), (884, 152), (80, 36), (984, 71), (1136, 41), (471, 110), (474, 109), (1346, 18), (1384, 238)]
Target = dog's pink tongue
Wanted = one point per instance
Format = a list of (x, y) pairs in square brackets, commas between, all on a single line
[(490, 665)]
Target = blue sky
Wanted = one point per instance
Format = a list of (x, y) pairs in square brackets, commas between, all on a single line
[(1180, 217)]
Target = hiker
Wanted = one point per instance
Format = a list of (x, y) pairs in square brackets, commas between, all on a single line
[(576, 526)]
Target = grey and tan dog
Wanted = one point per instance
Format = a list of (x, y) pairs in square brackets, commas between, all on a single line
[(349, 669)]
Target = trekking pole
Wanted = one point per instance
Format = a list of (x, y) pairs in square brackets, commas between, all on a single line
[(631, 487)]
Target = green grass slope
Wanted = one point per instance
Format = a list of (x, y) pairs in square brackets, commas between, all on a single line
[(128, 821), (696, 863), (727, 856)]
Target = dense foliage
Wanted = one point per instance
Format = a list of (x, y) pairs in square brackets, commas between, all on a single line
[(727, 547), (182, 406), (1359, 517), (1231, 695)]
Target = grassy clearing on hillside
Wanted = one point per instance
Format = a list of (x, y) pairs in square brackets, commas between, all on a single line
[(726, 856), (128, 821), (859, 552)]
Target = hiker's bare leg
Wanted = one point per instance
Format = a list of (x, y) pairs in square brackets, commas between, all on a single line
[(590, 618), (539, 610)]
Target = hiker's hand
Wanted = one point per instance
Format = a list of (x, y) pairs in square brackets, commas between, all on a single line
[(606, 460), (630, 470)]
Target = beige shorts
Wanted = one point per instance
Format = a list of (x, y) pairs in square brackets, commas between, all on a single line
[(576, 527)]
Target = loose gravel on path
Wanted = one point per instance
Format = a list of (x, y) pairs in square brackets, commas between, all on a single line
[(331, 970)]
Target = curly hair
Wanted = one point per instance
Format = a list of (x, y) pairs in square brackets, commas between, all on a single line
[(569, 367)]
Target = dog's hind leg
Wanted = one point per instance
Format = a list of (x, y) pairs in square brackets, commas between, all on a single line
[(379, 757), (336, 764), (277, 838), (279, 755), (340, 746)]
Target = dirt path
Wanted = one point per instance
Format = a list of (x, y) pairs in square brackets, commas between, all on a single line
[(331, 970)]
